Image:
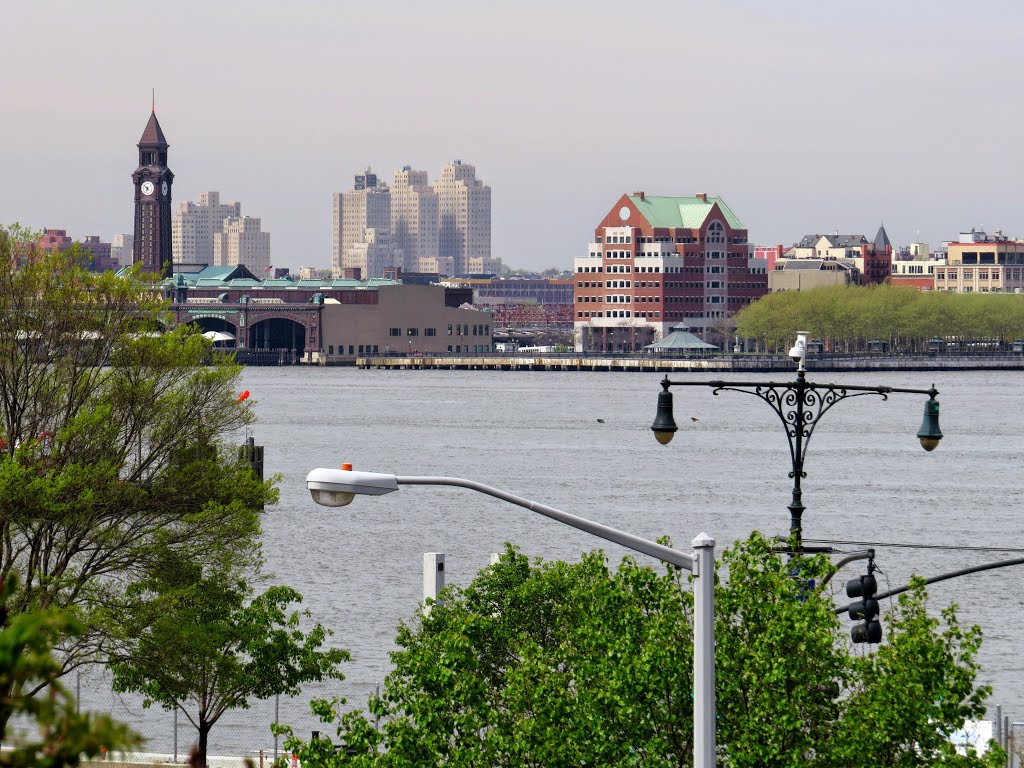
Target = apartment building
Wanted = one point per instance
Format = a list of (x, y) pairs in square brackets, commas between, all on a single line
[(242, 240), (194, 225), (661, 263)]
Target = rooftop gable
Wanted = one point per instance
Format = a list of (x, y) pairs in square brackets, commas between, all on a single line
[(682, 212)]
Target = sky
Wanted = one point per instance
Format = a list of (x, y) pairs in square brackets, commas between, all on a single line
[(806, 117)]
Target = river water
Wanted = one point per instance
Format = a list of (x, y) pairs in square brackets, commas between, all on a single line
[(537, 434)]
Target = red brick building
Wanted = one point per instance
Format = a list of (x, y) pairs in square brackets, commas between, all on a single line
[(659, 263)]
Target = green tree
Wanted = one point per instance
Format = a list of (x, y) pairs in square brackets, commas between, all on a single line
[(112, 443), (203, 644), (26, 662), (578, 665)]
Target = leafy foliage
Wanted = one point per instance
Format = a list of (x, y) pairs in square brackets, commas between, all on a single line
[(847, 317), (26, 661), (112, 444), (543, 664), (202, 644)]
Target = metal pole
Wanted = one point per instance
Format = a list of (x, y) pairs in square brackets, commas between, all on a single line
[(277, 719), (704, 652), (175, 734), (796, 506)]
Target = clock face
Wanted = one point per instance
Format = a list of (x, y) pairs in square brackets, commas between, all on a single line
[(163, 188), (147, 188), (624, 213)]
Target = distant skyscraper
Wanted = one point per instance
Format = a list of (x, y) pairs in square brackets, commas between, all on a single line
[(153, 180), (196, 224), (414, 218), (361, 232), (121, 249), (464, 217), (241, 241)]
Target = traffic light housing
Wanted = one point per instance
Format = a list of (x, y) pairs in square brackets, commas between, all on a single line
[(865, 609)]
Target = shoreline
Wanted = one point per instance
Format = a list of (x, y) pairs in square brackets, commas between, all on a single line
[(724, 363)]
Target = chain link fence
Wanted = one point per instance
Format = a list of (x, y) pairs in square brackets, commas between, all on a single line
[(240, 734)]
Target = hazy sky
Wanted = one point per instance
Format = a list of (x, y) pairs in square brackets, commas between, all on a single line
[(805, 116)]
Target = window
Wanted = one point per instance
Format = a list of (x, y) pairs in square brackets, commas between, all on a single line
[(449, 332), (395, 332), (412, 331), (430, 331)]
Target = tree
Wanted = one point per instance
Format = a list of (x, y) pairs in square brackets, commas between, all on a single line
[(26, 661), (202, 644), (113, 452), (578, 665)]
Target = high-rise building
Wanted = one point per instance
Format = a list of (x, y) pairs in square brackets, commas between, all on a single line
[(362, 229), (121, 249), (242, 241), (196, 224), (153, 180), (414, 218), (464, 218), (659, 264)]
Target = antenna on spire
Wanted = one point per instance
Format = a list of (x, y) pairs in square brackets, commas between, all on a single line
[(154, 100)]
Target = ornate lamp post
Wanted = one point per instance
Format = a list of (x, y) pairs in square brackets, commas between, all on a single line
[(800, 404)]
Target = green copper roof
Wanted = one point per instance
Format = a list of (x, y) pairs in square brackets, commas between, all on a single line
[(685, 212)]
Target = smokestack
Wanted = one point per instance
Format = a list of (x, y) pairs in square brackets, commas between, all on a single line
[(639, 194), (702, 196)]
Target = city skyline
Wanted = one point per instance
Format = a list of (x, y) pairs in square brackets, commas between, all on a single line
[(808, 119)]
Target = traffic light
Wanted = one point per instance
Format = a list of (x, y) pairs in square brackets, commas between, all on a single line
[(864, 610)]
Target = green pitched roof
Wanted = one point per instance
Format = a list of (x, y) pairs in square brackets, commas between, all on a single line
[(684, 212)]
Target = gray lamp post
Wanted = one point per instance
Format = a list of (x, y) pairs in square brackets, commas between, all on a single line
[(339, 487), (800, 404)]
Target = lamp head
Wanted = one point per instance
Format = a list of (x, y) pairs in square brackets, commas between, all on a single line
[(339, 487), (798, 352), (664, 426), (929, 434)]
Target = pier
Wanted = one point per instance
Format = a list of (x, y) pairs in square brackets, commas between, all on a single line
[(719, 363)]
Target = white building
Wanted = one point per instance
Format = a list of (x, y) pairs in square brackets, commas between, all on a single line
[(194, 225), (414, 220), (121, 249), (464, 218), (242, 241), (361, 231)]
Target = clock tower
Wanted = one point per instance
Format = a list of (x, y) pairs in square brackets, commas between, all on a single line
[(153, 181)]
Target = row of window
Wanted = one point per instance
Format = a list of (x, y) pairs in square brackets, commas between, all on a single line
[(983, 274), (618, 298), (457, 329)]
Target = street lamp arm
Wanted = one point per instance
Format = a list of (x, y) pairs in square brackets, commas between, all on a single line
[(644, 546)]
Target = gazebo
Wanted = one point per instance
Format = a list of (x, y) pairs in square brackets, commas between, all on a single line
[(680, 342)]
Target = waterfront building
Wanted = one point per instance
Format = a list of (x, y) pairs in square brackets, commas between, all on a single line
[(329, 321), (871, 259), (361, 229), (414, 219), (980, 263), (805, 274), (195, 226), (464, 220), (153, 181), (121, 249), (523, 303), (661, 263)]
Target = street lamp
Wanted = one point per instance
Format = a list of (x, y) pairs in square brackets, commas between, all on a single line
[(339, 487), (800, 404)]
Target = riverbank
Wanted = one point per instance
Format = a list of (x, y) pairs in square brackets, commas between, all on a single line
[(725, 363)]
